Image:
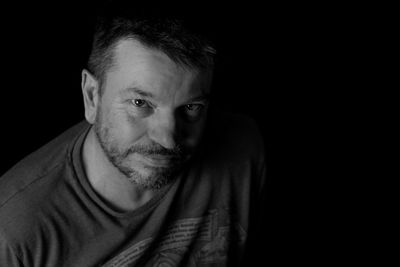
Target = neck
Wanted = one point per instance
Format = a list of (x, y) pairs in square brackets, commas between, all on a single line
[(106, 180)]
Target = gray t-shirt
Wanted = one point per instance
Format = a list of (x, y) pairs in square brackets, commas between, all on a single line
[(50, 215)]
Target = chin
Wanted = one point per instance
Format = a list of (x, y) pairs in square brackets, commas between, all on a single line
[(151, 178)]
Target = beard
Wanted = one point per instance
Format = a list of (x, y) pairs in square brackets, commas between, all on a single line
[(145, 177)]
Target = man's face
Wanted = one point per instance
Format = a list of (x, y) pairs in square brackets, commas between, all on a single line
[(151, 115)]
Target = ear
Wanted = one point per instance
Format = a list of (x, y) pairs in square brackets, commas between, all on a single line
[(91, 95)]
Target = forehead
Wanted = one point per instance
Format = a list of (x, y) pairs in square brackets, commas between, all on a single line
[(135, 64)]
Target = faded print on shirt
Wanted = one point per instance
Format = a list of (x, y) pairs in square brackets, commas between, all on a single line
[(200, 241)]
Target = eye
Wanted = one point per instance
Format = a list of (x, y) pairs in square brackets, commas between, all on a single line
[(192, 112), (193, 107), (139, 103)]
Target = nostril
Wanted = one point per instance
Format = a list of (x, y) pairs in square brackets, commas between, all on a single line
[(164, 128), (163, 137), (168, 142)]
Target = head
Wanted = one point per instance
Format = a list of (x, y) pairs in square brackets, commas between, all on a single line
[(146, 92)]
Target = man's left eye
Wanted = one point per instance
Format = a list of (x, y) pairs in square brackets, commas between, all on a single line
[(193, 107)]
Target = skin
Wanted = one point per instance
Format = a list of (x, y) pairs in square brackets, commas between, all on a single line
[(147, 123)]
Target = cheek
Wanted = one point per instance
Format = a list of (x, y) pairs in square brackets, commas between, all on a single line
[(127, 129), (194, 133)]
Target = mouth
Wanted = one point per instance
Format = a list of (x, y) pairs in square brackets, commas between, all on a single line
[(159, 160)]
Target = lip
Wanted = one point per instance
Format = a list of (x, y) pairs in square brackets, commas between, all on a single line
[(159, 161)]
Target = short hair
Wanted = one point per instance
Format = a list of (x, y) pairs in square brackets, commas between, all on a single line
[(156, 29)]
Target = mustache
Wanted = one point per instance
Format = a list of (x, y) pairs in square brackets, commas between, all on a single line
[(156, 149)]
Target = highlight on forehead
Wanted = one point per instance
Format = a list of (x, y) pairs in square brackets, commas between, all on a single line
[(114, 57), (181, 61), (131, 58)]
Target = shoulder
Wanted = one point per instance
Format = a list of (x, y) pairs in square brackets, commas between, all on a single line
[(45, 157), (28, 184), (38, 163)]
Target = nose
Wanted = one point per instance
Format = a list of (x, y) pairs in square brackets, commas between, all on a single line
[(163, 129)]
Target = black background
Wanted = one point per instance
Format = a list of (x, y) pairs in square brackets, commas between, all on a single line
[(285, 65)]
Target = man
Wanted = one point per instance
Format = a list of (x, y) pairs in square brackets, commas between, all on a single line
[(155, 176)]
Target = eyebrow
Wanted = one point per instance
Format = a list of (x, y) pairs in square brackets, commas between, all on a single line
[(139, 92), (202, 97)]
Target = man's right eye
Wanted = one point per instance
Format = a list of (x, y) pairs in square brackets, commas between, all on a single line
[(140, 103)]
